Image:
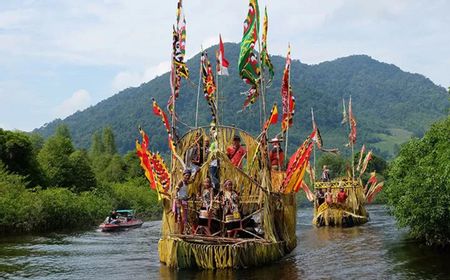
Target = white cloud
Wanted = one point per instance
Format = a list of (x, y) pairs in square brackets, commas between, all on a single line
[(79, 100), (127, 79)]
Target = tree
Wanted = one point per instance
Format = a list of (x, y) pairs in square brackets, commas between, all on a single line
[(97, 146), (83, 178), (109, 141), (63, 131), (336, 163), (419, 186), (132, 165), (17, 153)]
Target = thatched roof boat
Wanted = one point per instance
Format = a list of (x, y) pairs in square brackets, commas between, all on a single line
[(266, 230), (350, 213)]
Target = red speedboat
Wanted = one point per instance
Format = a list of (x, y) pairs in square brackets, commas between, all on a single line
[(120, 220)]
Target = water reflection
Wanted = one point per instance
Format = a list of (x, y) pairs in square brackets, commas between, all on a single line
[(374, 250)]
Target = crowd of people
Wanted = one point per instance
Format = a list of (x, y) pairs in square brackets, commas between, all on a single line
[(217, 201)]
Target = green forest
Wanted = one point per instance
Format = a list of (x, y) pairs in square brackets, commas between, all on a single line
[(390, 105), (48, 185)]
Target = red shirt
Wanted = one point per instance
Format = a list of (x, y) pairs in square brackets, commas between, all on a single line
[(276, 157), (341, 197), (236, 155)]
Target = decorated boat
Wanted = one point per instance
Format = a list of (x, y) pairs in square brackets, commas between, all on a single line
[(341, 202), (228, 201)]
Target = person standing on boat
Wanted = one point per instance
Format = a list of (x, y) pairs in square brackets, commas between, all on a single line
[(320, 196), (276, 155), (329, 196), (181, 199), (341, 196), (325, 174), (236, 152), (194, 154), (211, 149)]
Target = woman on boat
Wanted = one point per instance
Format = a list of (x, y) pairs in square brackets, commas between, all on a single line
[(207, 198), (230, 199), (329, 196), (181, 199)]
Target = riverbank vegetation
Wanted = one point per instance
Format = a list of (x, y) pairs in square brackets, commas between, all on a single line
[(49, 185), (419, 186)]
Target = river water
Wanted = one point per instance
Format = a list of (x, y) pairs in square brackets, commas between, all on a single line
[(376, 250)]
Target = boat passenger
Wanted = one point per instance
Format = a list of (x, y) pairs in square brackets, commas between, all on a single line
[(325, 174), (320, 196), (181, 199), (236, 152), (341, 196), (329, 196), (276, 155), (213, 164), (207, 195), (230, 198), (194, 154)]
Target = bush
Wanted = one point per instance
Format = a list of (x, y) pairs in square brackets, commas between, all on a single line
[(419, 186)]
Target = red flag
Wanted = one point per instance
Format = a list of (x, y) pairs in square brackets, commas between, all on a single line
[(143, 155), (222, 63), (309, 194), (159, 112), (287, 98), (273, 119), (373, 192), (352, 134)]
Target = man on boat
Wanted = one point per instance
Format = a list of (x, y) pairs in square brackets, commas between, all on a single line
[(194, 154), (210, 150), (181, 199), (342, 196), (325, 174), (236, 152), (276, 155), (320, 196)]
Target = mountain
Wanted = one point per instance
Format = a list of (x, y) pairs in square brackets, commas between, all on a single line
[(390, 105)]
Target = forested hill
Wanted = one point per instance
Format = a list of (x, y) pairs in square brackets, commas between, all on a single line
[(390, 105)]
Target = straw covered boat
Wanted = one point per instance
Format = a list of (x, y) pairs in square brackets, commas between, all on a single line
[(266, 231), (350, 213)]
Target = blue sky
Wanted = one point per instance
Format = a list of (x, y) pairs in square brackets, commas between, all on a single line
[(60, 56)]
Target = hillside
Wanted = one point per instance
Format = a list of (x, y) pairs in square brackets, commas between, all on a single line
[(390, 105)]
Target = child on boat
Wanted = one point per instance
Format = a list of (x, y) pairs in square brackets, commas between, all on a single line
[(180, 203)]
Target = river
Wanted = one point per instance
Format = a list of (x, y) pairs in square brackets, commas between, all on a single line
[(375, 250)]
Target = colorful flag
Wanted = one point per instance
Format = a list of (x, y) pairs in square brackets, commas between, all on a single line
[(344, 113), (160, 170), (297, 165), (159, 112), (373, 191), (363, 149), (287, 98), (209, 86), (273, 119), (373, 178), (306, 189), (222, 63), (365, 163), (143, 154), (265, 58), (318, 137), (351, 118), (248, 64)]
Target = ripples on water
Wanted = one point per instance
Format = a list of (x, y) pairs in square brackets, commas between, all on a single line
[(374, 250)]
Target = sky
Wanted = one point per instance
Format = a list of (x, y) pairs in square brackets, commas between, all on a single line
[(61, 56)]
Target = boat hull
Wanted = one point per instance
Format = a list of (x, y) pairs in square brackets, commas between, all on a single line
[(178, 253), (121, 226), (336, 216)]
